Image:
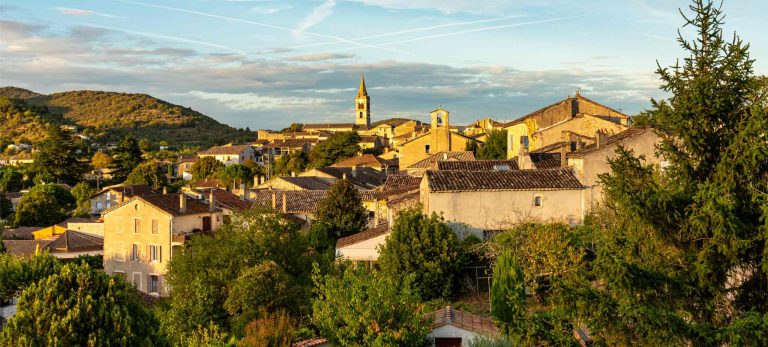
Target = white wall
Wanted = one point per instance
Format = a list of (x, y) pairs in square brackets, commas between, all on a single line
[(450, 331), (364, 250)]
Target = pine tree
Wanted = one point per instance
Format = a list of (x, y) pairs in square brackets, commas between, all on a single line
[(508, 295), (59, 157), (126, 157)]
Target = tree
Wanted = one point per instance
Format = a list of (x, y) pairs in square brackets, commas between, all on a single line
[(263, 287), (6, 208), (16, 274), (101, 161), (508, 296), (270, 330), (82, 193), (11, 180), (495, 146), (342, 210), (295, 127), (90, 307), (677, 257), (145, 145), (337, 147), (360, 308), (423, 247), (58, 156), (126, 157), (148, 173), (472, 146), (293, 162), (44, 205), (236, 174), (205, 168)]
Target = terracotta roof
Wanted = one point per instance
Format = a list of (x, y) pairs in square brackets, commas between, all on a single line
[(477, 165), (308, 182), (220, 150), (129, 190), (368, 138), (464, 320), (313, 342), (368, 160), (209, 183), (430, 161), (225, 199), (329, 126), (545, 160), (403, 199), (24, 248), (568, 99), (298, 201), (550, 147), (612, 140), (396, 183), (376, 231), (364, 177), (291, 143), (75, 241), (187, 158), (20, 233), (543, 179), (168, 203)]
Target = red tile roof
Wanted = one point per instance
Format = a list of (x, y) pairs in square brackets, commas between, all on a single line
[(477, 165), (129, 190), (368, 234), (367, 160), (313, 342), (539, 179), (291, 143), (75, 241), (225, 199), (24, 248), (364, 177), (464, 320), (308, 182), (169, 203), (430, 161), (399, 183), (298, 201), (223, 150)]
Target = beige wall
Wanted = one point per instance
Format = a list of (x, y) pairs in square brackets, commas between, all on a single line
[(119, 237), (585, 125), (514, 133), (364, 250), (474, 212), (92, 228), (440, 139)]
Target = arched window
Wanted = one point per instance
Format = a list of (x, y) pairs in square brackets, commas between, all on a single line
[(537, 200)]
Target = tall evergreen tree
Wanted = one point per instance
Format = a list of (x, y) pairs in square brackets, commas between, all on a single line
[(126, 157), (495, 146), (59, 157), (342, 210)]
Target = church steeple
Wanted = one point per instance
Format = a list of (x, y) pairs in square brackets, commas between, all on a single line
[(362, 91), (362, 106)]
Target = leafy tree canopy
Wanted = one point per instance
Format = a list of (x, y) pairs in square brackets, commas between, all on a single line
[(82, 193), (337, 147), (205, 168), (148, 173), (342, 210), (126, 157), (293, 162), (423, 247), (44, 205), (11, 180), (101, 160), (59, 157), (495, 146), (236, 174)]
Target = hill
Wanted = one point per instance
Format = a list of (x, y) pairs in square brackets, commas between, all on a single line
[(22, 122), (141, 115)]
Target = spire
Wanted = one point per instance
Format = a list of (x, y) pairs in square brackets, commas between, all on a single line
[(362, 91)]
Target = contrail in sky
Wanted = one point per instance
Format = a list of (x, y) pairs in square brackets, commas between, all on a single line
[(167, 37)]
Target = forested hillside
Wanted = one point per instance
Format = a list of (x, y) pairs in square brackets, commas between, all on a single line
[(139, 114), (22, 122)]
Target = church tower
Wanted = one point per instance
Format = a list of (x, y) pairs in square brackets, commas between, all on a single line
[(362, 106)]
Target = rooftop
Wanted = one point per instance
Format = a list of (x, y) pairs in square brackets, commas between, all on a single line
[(430, 161), (308, 182), (222, 150), (464, 320), (540, 179), (612, 140), (376, 231), (477, 165), (368, 160)]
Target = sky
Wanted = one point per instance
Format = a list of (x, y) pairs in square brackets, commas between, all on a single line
[(264, 64)]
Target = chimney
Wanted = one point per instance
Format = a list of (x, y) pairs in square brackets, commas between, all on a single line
[(344, 176), (445, 156), (293, 173), (601, 139), (182, 203), (285, 203), (524, 161), (211, 201), (354, 170), (563, 152), (274, 200), (165, 190)]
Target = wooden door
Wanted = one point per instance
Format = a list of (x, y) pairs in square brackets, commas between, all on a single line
[(448, 342)]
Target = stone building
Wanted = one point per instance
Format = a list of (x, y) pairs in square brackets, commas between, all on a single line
[(439, 138)]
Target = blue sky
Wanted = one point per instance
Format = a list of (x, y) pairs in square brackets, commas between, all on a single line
[(265, 64)]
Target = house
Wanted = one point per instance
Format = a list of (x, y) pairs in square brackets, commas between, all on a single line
[(184, 165), (18, 159), (298, 183), (482, 202), (363, 248), (93, 227), (228, 202), (439, 138), (478, 165), (456, 328), (482, 126), (544, 126), (114, 195), (50, 232), (329, 127), (430, 162), (371, 161), (66, 246), (372, 142), (278, 149), (363, 178), (142, 234), (230, 154), (592, 160)]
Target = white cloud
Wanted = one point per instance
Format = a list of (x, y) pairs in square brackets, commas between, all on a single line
[(270, 9), (321, 57), (253, 101), (82, 13), (315, 17)]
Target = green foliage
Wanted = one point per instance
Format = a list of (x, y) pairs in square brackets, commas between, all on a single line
[(101, 160), (18, 273), (236, 174), (20, 120), (205, 168), (58, 156), (6, 209), (472, 146), (227, 276), (337, 147), (295, 127), (11, 180), (82, 193), (495, 146), (360, 308), (294, 162), (508, 296), (125, 158), (269, 330), (44, 205), (148, 173), (145, 145), (342, 210), (90, 307), (485, 341), (422, 247)]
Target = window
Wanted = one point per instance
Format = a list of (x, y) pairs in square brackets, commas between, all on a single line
[(524, 141), (136, 225), (135, 252), (426, 148), (137, 280), (155, 253), (152, 283), (154, 226), (537, 201), (120, 253)]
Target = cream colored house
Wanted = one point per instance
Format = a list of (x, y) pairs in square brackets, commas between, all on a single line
[(142, 234), (230, 154), (115, 195), (439, 138), (482, 202)]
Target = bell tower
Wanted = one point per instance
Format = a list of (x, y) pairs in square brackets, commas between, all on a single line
[(440, 130), (362, 106)]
